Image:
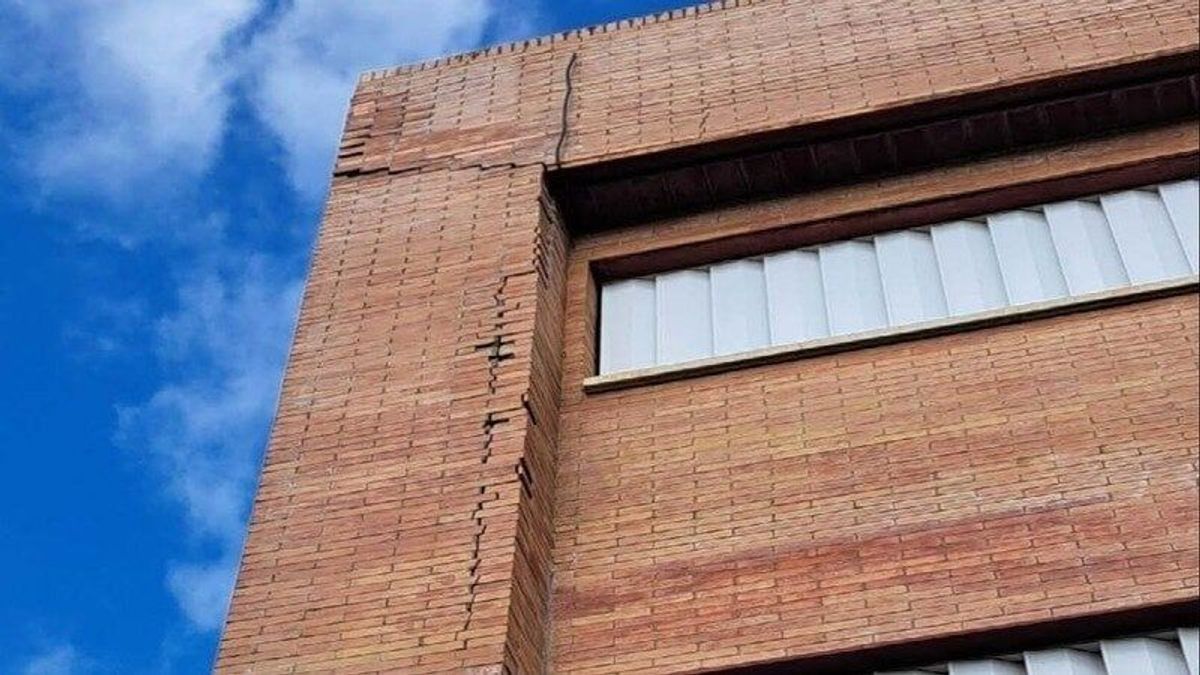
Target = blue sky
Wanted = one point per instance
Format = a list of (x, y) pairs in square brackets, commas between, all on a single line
[(162, 168)]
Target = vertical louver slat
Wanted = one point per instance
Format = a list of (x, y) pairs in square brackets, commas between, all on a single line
[(853, 293), (1182, 200), (1028, 263), (1189, 640), (684, 310), (627, 325), (739, 307), (969, 268), (912, 286), (1085, 246), (1143, 656), (1063, 662), (795, 297), (985, 667), (1147, 240)]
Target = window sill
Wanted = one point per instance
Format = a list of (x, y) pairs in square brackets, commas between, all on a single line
[(882, 336)]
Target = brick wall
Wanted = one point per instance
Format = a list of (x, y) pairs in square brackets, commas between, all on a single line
[(388, 527), (705, 74), (960, 483), (431, 425), (957, 483)]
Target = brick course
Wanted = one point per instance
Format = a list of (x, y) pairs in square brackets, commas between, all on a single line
[(710, 73), (434, 465)]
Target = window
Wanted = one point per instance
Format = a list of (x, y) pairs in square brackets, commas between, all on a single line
[(1166, 653), (948, 270)]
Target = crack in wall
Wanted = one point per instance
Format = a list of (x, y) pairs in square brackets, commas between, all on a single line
[(489, 424), (442, 164), (569, 85), (497, 350)]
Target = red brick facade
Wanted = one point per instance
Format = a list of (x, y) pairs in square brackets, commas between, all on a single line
[(441, 495)]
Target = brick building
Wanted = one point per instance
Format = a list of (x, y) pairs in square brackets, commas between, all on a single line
[(764, 336)]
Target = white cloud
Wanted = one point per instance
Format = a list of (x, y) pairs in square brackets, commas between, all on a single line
[(306, 64), (149, 84), (204, 429), (58, 660), (108, 327), (146, 90), (227, 339), (202, 590), (137, 101)]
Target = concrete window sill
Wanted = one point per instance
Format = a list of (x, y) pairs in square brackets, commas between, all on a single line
[(842, 343)]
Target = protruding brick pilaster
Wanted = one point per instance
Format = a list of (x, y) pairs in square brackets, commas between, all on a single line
[(402, 520)]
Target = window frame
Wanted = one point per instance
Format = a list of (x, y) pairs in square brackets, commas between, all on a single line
[(800, 233)]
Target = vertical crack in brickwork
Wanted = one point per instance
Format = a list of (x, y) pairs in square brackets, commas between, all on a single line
[(489, 424), (497, 350), (569, 86)]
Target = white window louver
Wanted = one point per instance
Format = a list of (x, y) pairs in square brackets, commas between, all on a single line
[(1182, 200), (985, 667), (683, 308), (1085, 247), (1064, 662), (970, 270), (1146, 239), (795, 297), (1189, 638), (1028, 263), (909, 269), (624, 304), (853, 289), (1167, 653), (1143, 656), (739, 307), (960, 268)]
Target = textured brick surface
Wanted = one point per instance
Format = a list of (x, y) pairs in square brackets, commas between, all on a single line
[(965, 482), (753, 66), (388, 528), (432, 429)]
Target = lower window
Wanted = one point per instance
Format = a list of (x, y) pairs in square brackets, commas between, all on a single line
[(1166, 653)]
